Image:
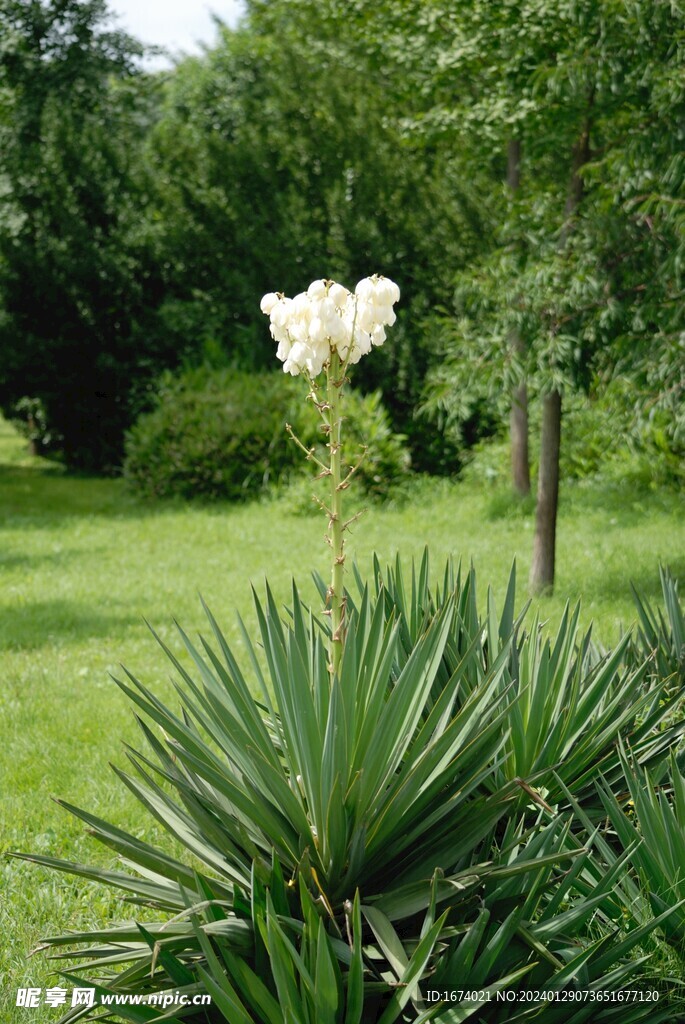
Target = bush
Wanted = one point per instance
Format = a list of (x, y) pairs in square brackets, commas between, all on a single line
[(219, 434), (350, 837), (604, 438)]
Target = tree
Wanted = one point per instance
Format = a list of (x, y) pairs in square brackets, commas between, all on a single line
[(518, 418), (278, 160), (585, 265), (79, 277)]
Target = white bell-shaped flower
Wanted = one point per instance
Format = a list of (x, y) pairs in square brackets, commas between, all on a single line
[(281, 312), (268, 302), (385, 315), (362, 342), (366, 316), (317, 290), (338, 294), (301, 305), (339, 332), (365, 289), (298, 331), (316, 331), (283, 350), (378, 335)]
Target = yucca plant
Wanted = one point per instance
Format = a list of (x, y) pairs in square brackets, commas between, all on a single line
[(350, 806), (361, 801)]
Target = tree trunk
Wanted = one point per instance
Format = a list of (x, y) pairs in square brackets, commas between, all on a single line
[(518, 428), (544, 544), (520, 462)]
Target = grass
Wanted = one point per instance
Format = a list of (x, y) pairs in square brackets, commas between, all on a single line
[(82, 563)]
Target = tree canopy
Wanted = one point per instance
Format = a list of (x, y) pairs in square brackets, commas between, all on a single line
[(149, 212)]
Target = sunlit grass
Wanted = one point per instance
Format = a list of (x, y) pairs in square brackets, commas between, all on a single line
[(82, 563)]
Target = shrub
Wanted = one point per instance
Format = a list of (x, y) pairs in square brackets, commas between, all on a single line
[(212, 434), (220, 434), (605, 438), (350, 838)]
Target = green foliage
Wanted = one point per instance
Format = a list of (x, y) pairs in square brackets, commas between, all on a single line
[(280, 164), (79, 275), (386, 461), (82, 560), (355, 839), (149, 214), (213, 434), (651, 819), (604, 438), (30, 419), (604, 444), (583, 258), (660, 639), (219, 434)]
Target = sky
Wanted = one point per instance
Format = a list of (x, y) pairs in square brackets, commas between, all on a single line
[(178, 25)]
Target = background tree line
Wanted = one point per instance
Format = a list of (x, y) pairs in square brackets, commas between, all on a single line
[(518, 168)]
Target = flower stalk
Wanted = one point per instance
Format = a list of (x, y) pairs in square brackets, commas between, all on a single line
[(328, 328), (335, 381)]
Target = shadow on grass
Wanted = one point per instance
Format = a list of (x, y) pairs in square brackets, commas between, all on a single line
[(644, 578), (38, 623), (34, 498), (624, 503), (627, 502), (506, 504), (10, 560), (37, 496)]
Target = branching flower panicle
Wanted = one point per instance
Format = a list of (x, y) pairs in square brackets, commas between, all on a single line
[(327, 328), (328, 319)]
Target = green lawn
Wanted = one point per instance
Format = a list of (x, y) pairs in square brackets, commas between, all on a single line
[(82, 563)]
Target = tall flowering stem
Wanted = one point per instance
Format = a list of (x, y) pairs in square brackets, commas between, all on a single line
[(335, 381), (328, 328)]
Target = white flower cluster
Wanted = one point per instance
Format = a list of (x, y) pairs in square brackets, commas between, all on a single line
[(328, 317)]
